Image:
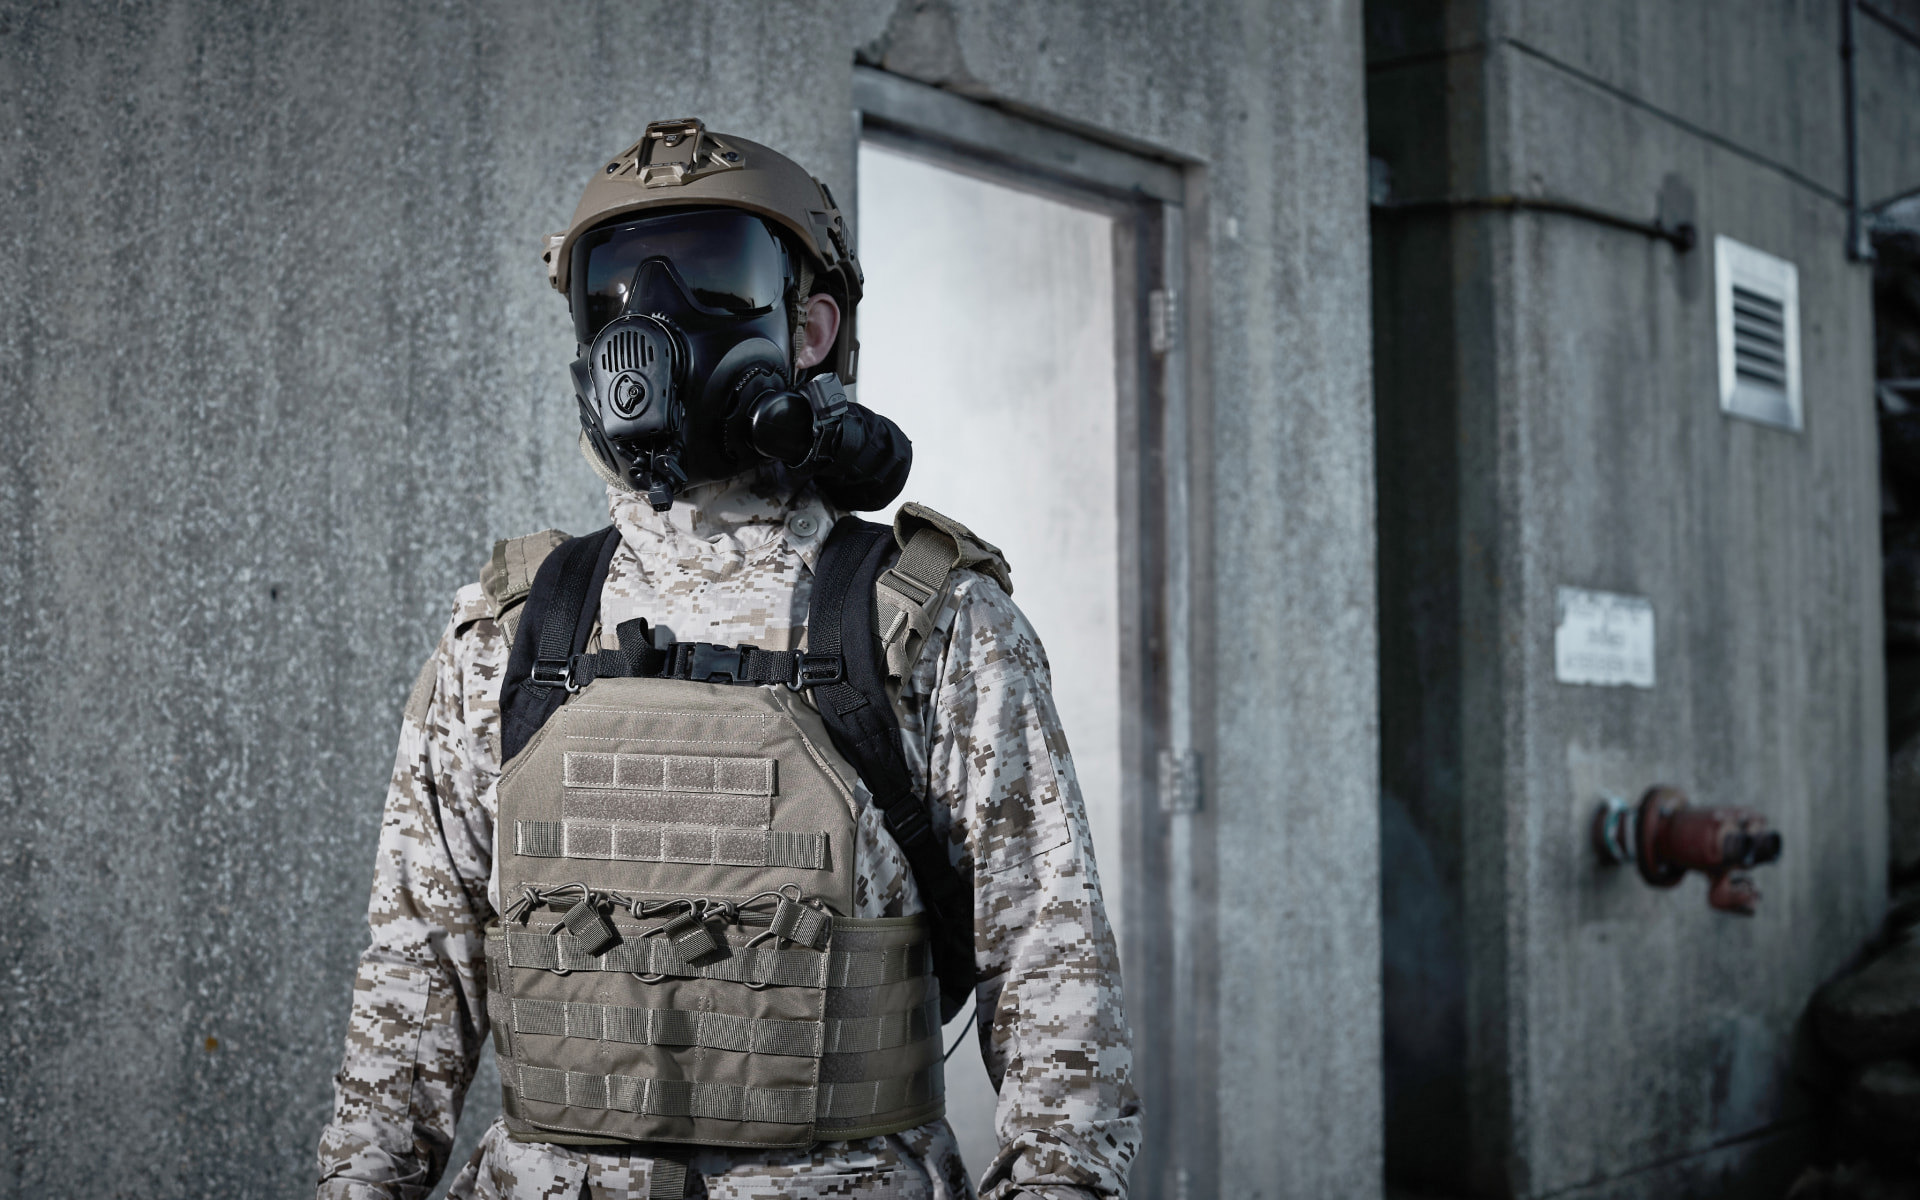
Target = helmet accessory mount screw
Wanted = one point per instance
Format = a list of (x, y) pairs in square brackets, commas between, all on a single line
[(674, 153)]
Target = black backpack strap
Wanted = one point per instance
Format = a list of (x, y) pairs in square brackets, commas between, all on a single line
[(554, 626), (859, 717)]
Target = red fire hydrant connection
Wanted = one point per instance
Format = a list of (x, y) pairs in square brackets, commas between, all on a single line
[(1665, 838)]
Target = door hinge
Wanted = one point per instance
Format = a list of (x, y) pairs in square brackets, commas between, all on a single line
[(1163, 320), (1180, 781)]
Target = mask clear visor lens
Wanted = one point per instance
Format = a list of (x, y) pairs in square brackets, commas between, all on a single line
[(720, 262)]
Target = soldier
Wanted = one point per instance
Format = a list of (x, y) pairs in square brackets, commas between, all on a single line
[(715, 816)]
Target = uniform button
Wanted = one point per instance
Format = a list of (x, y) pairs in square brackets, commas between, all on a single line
[(803, 524)]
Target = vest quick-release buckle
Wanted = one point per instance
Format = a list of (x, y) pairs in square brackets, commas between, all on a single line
[(817, 670), (551, 672), (716, 663)]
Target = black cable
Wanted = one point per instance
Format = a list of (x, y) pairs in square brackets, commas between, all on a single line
[(973, 1014)]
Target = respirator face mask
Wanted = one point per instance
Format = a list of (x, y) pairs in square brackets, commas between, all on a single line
[(685, 367), (682, 320)]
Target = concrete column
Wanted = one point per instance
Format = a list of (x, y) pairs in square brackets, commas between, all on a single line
[(1549, 418)]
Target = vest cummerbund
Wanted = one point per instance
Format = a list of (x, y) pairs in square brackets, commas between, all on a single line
[(677, 960)]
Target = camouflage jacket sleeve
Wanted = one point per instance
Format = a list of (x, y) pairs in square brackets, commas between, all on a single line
[(983, 734), (418, 1016)]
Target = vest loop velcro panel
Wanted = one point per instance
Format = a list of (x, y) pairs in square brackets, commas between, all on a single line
[(636, 842), (670, 773)]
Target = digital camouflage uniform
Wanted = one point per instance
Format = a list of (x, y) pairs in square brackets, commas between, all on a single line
[(731, 563)]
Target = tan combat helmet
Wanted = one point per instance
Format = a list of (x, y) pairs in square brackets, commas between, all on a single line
[(679, 164)]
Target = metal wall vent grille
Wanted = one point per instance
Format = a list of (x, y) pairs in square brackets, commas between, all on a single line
[(1758, 298), (1759, 338)]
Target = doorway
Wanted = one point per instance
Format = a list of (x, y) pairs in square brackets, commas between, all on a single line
[(987, 333), (1021, 324)]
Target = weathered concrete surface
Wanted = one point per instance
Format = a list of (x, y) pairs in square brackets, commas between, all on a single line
[(1549, 417), (279, 362), (1889, 79)]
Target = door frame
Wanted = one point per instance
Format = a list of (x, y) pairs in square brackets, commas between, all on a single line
[(1156, 199)]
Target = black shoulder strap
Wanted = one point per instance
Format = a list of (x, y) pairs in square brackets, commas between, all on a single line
[(554, 626), (860, 719)]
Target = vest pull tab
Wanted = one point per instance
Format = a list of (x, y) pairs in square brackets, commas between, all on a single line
[(692, 940), (795, 922), (586, 922)]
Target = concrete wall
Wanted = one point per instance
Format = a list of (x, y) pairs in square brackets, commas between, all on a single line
[(1549, 416), (279, 362)]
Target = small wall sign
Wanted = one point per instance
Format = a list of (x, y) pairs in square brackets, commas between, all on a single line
[(1603, 638)]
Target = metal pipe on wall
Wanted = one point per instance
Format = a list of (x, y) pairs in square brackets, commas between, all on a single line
[(1682, 236), (1859, 248)]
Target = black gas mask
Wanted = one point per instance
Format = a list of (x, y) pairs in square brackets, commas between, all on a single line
[(685, 367)]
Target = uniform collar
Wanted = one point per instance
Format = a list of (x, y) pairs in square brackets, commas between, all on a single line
[(714, 527)]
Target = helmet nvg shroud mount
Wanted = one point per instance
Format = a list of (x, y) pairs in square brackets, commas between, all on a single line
[(687, 265)]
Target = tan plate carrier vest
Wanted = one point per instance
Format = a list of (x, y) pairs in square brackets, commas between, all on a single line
[(736, 1003), (677, 961)]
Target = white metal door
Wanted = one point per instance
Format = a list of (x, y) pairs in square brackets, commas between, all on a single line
[(987, 332)]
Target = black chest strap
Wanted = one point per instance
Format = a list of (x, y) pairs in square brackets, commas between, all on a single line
[(843, 665)]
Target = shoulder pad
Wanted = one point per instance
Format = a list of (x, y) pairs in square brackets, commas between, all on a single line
[(508, 574), (907, 596), (969, 549)]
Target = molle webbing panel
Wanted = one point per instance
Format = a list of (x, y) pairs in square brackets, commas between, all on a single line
[(667, 1097), (791, 967), (734, 1002), (831, 1105), (718, 1031), (667, 1027)]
